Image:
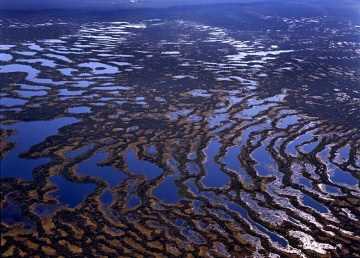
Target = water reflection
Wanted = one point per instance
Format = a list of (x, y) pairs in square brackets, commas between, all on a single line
[(108, 174), (27, 134), (70, 193)]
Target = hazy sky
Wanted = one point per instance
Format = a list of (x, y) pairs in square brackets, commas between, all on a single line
[(44, 4), (111, 4)]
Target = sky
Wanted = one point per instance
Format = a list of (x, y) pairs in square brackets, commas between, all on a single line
[(111, 4), (45, 4)]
